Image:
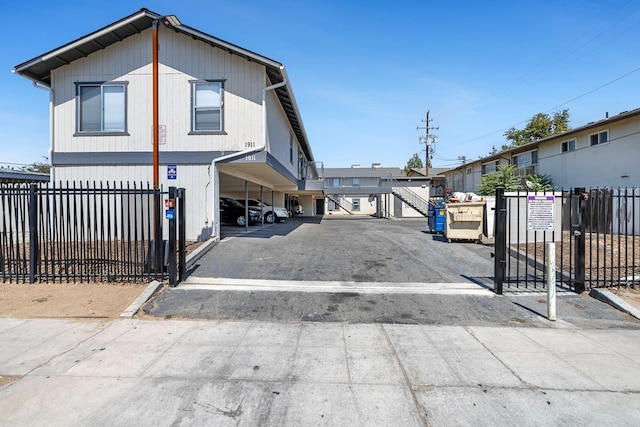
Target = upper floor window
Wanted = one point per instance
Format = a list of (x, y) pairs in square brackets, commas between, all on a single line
[(468, 171), (206, 106), (488, 168), (355, 181), (599, 138), (101, 108), (291, 148), (525, 159), (526, 163), (569, 145)]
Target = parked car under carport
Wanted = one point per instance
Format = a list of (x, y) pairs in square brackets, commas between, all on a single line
[(270, 213), (232, 212)]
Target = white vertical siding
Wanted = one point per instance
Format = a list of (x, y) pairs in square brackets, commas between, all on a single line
[(194, 178), (181, 59), (279, 135)]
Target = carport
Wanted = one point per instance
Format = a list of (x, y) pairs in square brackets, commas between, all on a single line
[(261, 176)]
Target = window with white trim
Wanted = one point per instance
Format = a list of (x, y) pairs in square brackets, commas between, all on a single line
[(355, 203), (599, 138), (101, 108), (206, 106), (526, 163), (489, 168), (569, 145)]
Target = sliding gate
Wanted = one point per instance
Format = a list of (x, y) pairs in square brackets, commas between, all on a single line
[(595, 233)]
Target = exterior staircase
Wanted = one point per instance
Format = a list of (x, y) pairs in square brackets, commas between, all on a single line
[(341, 205), (412, 199)]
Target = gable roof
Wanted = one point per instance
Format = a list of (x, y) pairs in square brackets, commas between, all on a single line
[(39, 68)]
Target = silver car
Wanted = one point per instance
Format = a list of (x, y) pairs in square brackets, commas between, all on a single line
[(270, 213)]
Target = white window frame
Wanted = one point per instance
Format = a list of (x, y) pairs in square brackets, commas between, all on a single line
[(355, 204), (200, 105), (525, 168), (568, 145), (112, 109), (599, 138), (485, 170)]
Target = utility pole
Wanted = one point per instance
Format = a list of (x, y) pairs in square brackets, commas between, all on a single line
[(428, 140)]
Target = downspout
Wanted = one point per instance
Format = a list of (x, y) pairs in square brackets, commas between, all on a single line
[(215, 224)]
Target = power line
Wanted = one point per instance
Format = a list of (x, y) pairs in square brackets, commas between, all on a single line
[(547, 111)]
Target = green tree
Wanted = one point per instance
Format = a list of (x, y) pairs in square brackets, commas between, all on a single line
[(40, 167), (415, 162), (539, 183), (539, 126), (505, 176)]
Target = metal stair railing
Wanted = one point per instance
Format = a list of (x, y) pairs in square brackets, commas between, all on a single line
[(341, 204), (410, 198)]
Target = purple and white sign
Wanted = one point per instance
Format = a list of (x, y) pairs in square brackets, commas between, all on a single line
[(540, 213)]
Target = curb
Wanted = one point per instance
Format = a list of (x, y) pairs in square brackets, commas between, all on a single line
[(201, 251), (144, 296), (614, 301), (153, 287)]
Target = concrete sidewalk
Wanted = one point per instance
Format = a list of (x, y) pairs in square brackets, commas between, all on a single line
[(125, 372)]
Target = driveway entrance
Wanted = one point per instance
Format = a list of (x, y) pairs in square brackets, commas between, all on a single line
[(346, 249)]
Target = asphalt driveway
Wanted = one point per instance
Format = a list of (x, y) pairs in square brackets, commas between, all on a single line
[(360, 250), (363, 270)]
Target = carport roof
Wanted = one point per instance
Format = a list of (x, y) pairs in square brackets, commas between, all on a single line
[(39, 68)]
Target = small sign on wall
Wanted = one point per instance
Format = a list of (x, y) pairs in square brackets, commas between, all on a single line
[(172, 171)]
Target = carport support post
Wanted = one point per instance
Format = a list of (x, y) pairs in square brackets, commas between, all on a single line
[(550, 264), (500, 256), (246, 205), (262, 207)]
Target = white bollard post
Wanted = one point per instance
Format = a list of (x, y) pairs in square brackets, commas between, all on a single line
[(550, 263)]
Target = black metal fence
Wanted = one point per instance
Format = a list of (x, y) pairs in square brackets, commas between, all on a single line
[(596, 234), (90, 233)]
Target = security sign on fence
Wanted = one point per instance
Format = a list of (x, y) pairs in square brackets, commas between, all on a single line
[(540, 213)]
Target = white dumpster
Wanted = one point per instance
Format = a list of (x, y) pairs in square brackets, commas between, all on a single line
[(464, 221)]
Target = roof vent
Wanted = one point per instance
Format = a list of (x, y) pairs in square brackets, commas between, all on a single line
[(355, 166), (376, 165)]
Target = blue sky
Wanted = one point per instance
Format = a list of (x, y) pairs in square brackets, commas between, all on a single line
[(364, 74)]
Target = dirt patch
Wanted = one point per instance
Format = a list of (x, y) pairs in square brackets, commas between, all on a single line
[(67, 300), (7, 380)]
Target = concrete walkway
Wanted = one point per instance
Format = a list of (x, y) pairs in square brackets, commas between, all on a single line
[(142, 372)]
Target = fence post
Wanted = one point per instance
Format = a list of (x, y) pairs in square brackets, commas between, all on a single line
[(550, 264), (171, 266), (500, 255), (182, 233), (578, 232), (157, 233), (34, 250)]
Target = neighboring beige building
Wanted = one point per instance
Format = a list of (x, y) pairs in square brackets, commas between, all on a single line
[(603, 153), (226, 120)]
